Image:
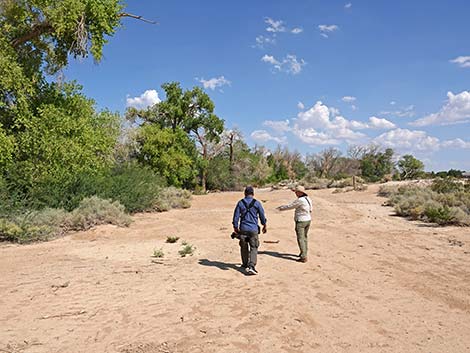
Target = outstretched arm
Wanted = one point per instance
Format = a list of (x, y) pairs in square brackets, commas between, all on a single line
[(291, 206)]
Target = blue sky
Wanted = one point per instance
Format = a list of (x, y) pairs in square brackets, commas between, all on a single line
[(308, 74)]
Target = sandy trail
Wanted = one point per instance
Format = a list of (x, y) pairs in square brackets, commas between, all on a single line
[(374, 283)]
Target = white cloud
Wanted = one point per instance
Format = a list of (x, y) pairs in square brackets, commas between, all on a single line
[(262, 41), (314, 138), (349, 99), (408, 140), (462, 61), (321, 117), (290, 64), (404, 140), (276, 125), (271, 60), (327, 29), (215, 82), (348, 5), (301, 106), (380, 123), (456, 143), (145, 100), (274, 26), (393, 103), (297, 30), (407, 112), (263, 136), (456, 110)]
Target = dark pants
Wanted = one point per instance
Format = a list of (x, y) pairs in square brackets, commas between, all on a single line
[(249, 244)]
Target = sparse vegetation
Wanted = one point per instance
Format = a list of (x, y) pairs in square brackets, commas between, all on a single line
[(29, 226), (444, 202), (172, 239), (172, 197), (158, 253), (187, 249)]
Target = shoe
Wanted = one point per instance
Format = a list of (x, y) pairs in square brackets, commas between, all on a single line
[(251, 271), (302, 260)]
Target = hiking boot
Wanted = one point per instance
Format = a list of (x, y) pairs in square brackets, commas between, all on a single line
[(302, 260), (251, 271)]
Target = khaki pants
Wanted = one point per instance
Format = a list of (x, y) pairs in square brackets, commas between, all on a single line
[(249, 249), (301, 229)]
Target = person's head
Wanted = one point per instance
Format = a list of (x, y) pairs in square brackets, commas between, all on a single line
[(299, 191), (249, 191)]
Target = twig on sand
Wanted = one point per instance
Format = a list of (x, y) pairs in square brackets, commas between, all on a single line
[(271, 241), (72, 313)]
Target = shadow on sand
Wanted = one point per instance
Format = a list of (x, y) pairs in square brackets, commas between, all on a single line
[(279, 255), (221, 265)]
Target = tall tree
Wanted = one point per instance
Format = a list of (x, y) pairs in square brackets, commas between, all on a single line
[(192, 111)]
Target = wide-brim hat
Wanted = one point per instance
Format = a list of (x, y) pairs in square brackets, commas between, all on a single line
[(299, 188)]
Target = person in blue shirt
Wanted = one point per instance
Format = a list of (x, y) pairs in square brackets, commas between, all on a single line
[(245, 224)]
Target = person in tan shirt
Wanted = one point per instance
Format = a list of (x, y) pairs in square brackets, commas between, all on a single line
[(302, 218)]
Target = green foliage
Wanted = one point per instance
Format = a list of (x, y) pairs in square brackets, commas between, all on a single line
[(410, 167), (169, 152), (376, 164), (191, 111), (136, 187), (172, 239), (56, 29), (187, 249)]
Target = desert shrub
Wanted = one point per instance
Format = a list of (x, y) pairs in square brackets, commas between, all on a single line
[(448, 185), (187, 249), (158, 253), (172, 197), (314, 183), (29, 226), (342, 183), (430, 203), (387, 190), (94, 211), (172, 239)]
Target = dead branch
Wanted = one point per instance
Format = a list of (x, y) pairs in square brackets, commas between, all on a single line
[(73, 313), (137, 17)]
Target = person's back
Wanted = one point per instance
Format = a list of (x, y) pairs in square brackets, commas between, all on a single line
[(245, 223)]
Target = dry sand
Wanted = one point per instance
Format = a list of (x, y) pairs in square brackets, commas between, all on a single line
[(374, 283)]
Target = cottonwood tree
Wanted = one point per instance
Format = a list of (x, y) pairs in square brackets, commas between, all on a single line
[(190, 110)]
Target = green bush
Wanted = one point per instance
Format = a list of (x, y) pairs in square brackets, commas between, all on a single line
[(134, 186), (172, 239), (187, 249)]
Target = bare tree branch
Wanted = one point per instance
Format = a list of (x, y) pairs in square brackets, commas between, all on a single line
[(137, 17)]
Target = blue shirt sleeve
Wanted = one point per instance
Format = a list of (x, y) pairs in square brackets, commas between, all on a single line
[(236, 215), (262, 217)]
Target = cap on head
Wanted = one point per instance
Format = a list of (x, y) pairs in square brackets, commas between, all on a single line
[(249, 190), (299, 188)]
